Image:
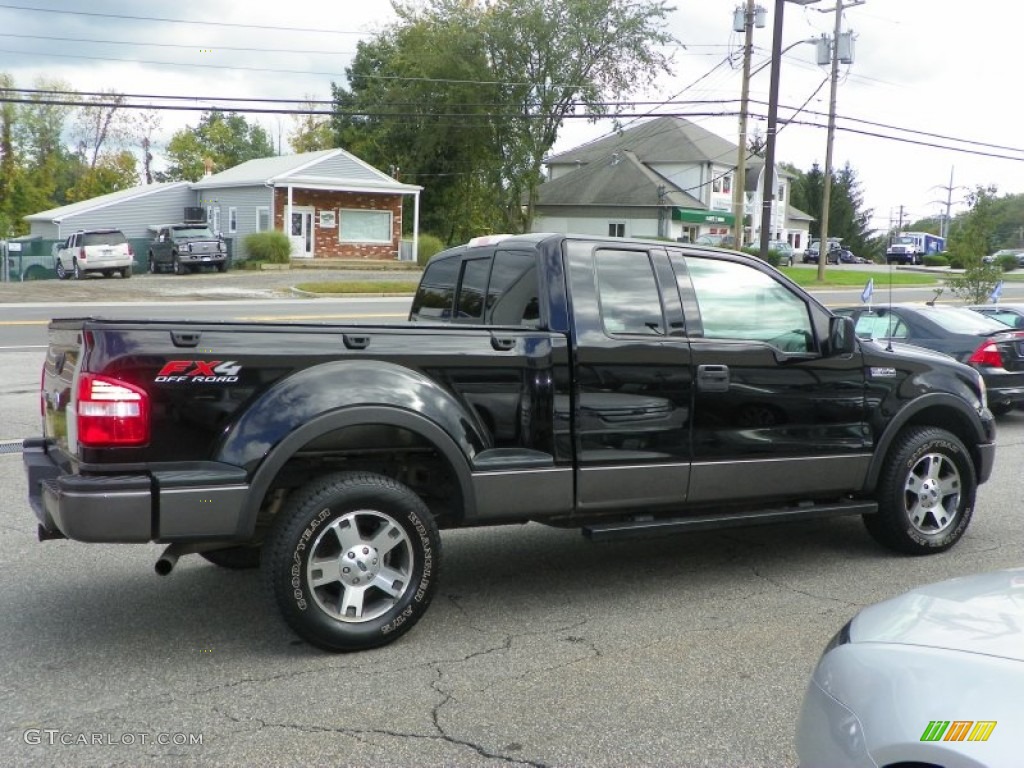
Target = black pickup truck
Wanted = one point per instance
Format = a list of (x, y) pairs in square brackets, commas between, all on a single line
[(623, 387)]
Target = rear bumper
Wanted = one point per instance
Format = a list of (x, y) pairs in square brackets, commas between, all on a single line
[(174, 502)]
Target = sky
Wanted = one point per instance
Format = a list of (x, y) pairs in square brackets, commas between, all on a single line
[(931, 94)]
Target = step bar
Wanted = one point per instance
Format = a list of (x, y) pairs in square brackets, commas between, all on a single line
[(647, 526)]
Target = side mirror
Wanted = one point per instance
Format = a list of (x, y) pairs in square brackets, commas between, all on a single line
[(842, 335)]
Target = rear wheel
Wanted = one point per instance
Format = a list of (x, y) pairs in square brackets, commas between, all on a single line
[(352, 560), (62, 273), (78, 272), (126, 272), (925, 494), (152, 265)]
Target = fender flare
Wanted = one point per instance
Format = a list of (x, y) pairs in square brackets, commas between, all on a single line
[(349, 417), (942, 400)]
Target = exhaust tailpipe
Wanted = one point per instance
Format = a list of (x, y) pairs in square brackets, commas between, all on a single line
[(166, 562), (45, 534)]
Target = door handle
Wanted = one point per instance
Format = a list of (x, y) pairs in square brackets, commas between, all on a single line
[(502, 344), (355, 342), (713, 378), (186, 338)]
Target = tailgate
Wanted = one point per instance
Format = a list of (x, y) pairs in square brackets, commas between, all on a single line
[(63, 358)]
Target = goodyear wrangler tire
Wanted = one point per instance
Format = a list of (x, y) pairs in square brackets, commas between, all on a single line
[(925, 493), (352, 560)]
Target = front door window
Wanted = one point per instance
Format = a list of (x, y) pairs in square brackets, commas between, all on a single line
[(302, 233)]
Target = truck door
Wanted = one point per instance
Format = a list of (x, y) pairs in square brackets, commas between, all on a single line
[(771, 413), (630, 407)]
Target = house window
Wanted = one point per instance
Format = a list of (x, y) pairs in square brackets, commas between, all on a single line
[(782, 192), (616, 229), (722, 184), (213, 217), (232, 220), (356, 226), (262, 218)]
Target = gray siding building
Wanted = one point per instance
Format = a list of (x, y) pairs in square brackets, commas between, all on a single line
[(134, 211)]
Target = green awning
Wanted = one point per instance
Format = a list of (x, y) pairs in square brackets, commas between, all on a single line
[(697, 216)]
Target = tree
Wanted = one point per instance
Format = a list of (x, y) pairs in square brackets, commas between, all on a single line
[(113, 171), (225, 140), (848, 219), (469, 97), (310, 132), (972, 238), (98, 126), (144, 124)]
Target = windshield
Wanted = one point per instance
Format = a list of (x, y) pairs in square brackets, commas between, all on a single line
[(192, 232), (904, 241)]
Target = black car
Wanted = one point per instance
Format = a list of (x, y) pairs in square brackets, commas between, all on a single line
[(984, 343), (832, 257)]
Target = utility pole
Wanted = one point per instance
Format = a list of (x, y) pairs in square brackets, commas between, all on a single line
[(948, 203), (749, 14), (773, 120), (827, 195)]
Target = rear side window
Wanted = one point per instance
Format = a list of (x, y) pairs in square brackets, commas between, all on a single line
[(472, 289), (436, 293), (512, 293), (628, 294), (103, 238)]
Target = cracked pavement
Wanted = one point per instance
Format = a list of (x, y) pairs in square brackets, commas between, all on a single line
[(540, 648)]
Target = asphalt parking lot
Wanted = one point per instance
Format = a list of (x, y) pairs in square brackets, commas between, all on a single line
[(541, 648)]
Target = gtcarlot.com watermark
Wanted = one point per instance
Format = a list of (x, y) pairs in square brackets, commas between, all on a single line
[(54, 736)]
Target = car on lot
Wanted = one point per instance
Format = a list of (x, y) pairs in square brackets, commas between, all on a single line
[(930, 678), (1008, 314), (719, 241), (846, 256), (786, 253), (832, 257), (91, 251), (996, 351), (993, 258), (187, 247)]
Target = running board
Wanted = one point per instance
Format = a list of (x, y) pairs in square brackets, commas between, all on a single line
[(658, 526)]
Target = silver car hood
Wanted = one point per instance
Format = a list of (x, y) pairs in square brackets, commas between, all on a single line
[(974, 614)]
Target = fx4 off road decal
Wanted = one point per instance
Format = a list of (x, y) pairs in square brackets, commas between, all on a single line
[(198, 372)]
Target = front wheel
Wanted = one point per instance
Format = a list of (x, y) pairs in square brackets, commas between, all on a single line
[(179, 268), (352, 560), (925, 493)]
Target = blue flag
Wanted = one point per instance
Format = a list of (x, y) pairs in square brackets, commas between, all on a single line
[(996, 293), (869, 289)]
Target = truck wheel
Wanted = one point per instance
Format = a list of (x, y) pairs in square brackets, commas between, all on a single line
[(179, 268), (234, 558), (925, 493), (77, 270), (62, 274), (352, 560), (126, 272)]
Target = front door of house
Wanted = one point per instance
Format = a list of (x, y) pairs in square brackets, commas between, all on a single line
[(301, 232)]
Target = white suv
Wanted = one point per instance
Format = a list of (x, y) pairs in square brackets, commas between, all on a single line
[(94, 250)]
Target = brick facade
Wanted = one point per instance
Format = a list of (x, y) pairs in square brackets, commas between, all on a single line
[(326, 243)]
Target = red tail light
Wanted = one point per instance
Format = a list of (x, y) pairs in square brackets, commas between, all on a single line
[(130, 251), (987, 354), (81, 252), (111, 413)]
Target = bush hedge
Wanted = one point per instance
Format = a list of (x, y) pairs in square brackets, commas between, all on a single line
[(271, 246), (935, 260), (428, 246)]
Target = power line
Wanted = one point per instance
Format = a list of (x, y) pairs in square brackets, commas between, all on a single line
[(274, 28)]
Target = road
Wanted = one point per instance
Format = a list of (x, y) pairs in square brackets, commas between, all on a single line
[(541, 648)]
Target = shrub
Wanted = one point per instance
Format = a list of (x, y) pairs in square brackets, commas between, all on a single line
[(271, 246), (1007, 262), (935, 260), (428, 246), (773, 257), (956, 262)]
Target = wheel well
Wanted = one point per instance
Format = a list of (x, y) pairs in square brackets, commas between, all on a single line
[(396, 452), (951, 420)]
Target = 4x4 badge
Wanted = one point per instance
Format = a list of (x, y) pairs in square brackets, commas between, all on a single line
[(877, 373)]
